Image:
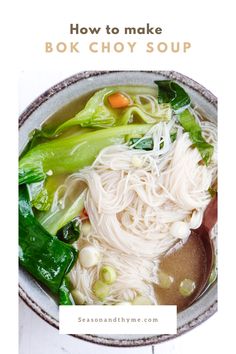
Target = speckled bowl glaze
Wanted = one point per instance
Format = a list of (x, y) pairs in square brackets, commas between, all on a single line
[(40, 110)]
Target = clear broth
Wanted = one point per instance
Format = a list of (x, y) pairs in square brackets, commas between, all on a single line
[(188, 262)]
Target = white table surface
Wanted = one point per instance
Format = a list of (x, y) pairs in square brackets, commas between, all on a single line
[(38, 337)]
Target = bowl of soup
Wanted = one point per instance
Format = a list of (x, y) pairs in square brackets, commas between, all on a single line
[(116, 174)]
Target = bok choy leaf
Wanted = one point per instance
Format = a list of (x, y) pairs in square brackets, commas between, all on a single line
[(170, 92), (70, 232), (95, 114), (65, 296), (39, 196), (42, 193), (190, 125), (99, 114), (163, 115), (70, 154), (44, 256)]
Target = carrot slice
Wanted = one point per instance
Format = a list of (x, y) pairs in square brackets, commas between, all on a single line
[(84, 214), (117, 100)]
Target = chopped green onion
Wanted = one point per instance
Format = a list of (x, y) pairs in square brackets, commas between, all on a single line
[(108, 274), (101, 289), (187, 287), (78, 297), (141, 300), (164, 280)]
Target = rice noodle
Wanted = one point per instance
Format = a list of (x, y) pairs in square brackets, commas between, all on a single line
[(149, 99), (132, 208)]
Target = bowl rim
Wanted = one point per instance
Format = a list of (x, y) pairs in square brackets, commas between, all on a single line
[(156, 339)]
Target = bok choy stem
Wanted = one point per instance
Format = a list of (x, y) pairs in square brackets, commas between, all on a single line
[(52, 221), (70, 154)]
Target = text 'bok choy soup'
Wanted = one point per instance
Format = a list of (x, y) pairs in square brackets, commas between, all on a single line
[(109, 186)]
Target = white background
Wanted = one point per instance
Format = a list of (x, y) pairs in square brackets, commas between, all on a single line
[(26, 72)]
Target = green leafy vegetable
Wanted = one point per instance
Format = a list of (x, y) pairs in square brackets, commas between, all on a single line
[(99, 114), (173, 136), (189, 124), (144, 144), (170, 92), (65, 297), (213, 189), (29, 172), (70, 232), (37, 136), (39, 196), (54, 220), (95, 114), (42, 193), (162, 115), (73, 153), (147, 144), (41, 202), (41, 254)]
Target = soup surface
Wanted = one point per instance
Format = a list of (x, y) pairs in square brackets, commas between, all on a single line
[(188, 262)]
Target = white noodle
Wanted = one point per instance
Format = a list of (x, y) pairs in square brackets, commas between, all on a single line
[(131, 209)]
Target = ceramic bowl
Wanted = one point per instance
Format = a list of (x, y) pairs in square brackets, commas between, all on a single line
[(45, 106)]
